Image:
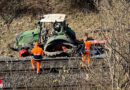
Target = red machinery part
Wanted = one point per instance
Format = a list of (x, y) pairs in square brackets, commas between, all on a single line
[(23, 53)]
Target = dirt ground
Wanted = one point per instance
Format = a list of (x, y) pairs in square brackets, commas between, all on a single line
[(79, 19), (66, 77), (26, 22)]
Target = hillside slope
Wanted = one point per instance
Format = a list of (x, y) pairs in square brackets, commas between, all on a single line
[(81, 17)]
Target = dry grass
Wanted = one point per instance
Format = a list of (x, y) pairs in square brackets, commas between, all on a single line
[(30, 13), (78, 19)]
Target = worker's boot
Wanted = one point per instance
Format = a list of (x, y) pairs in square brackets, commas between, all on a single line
[(83, 65), (83, 61), (88, 64), (88, 59), (33, 64), (38, 71), (38, 67)]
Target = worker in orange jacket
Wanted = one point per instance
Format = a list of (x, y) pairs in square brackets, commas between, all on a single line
[(37, 56), (85, 50)]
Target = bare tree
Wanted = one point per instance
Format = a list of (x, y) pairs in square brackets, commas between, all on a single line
[(116, 14)]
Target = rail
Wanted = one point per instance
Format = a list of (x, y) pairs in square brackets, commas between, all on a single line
[(17, 59)]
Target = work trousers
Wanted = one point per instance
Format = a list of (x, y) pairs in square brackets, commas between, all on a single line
[(33, 64), (84, 58)]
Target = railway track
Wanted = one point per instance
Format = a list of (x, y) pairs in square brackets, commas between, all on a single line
[(20, 64), (18, 59), (60, 72), (49, 64), (49, 70), (28, 79), (61, 87)]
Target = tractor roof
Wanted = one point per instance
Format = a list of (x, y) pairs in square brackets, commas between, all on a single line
[(53, 18)]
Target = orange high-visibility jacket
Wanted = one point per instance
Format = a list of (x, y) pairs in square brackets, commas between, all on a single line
[(87, 46), (37, 53)]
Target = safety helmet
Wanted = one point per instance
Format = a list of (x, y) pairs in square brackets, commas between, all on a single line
[(85, 38), (36, 43)]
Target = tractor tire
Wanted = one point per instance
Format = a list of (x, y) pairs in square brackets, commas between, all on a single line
[(65, 42)]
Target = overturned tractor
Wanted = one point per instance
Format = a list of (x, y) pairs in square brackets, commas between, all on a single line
[(54, 36)]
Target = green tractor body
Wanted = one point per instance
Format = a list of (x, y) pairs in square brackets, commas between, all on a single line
[(52, 43), (26, 38)]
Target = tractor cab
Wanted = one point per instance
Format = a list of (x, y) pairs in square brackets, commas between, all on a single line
[(54, 24)]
